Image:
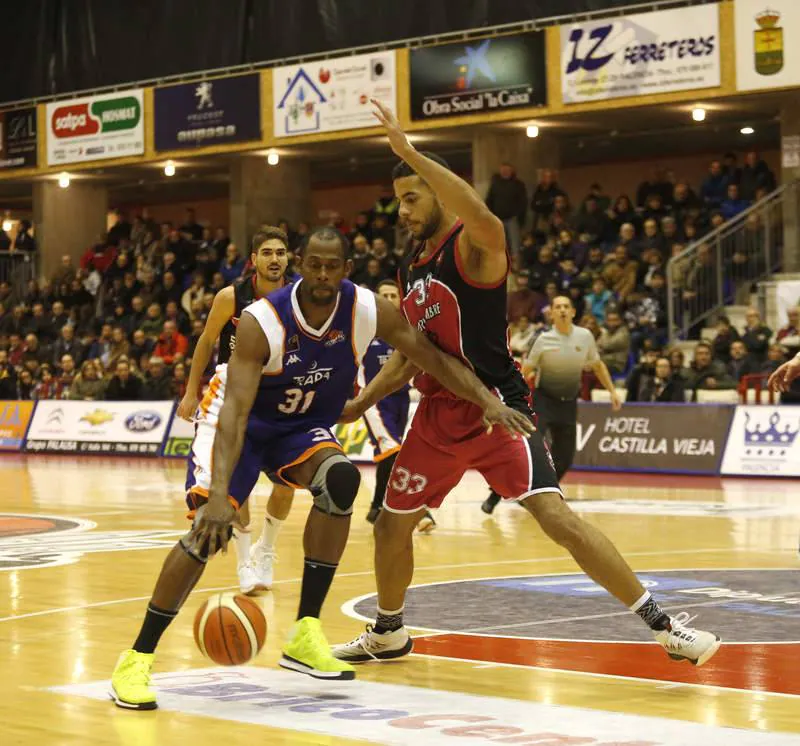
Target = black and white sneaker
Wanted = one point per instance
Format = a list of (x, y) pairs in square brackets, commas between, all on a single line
[(371, 646), (684, 643)]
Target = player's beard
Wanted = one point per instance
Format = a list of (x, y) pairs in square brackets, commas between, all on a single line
[(431, 225)]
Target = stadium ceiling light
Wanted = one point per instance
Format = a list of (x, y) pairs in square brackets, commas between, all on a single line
[(169, 169), (699, 114), (8, 224), (532, 130), (273, 158), (63, 179), (747, 130)]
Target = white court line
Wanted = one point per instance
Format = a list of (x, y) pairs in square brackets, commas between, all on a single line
[(617, 677)]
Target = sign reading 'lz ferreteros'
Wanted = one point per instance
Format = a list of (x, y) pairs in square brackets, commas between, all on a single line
[(90, 129)]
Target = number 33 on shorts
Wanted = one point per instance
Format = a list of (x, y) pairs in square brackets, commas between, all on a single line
[(404, 481)]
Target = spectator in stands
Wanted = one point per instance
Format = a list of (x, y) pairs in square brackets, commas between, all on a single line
[(726, 336), (756, 336), (191, 229), (120, 347), (622, 212), (656, 185), (776, 356), (508, 200), (195, 291), (733, 205), (380, 250), (34, 350), (561, 218), (382, 229), (40, 325), (677, 361), (66, 272), (669, 234), (89, 384), (172, 312), (655, 208), (707, 373), (627, 238), (620, 272), (730, 165), (157, 381), (194, 338), (361, 227), (217, 283), (386, 204), (169, 263), (58, 317), (374, 274), (700, 291), (24, 240), (652, 238), (684, 202), (647, 315), (569, 248), (16, 349), (792, 328), (25, 385), (149, 288), (172, 345), (124, 385), (665, 385), (170, 291), (740, 363), (544, 270), (359, 258), (755, 175), (641, 376), (715, 187), (543, 199), (597, 301), (652, 263), (153, 324), (599, 196), (522, 336), (100, 256), (570, 275), (66, 373), (48, 386), (614, 344), (100, 349), (221, 241), (8, 378), (66, 344), (141, 346), (592, 222)]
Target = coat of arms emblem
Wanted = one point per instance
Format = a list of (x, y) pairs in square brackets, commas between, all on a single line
[(768, 43)]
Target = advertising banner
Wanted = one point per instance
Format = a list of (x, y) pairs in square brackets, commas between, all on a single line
[(120, 428), (669, 438), (18, 138), (480, 76), (94, 128), (766, 56), (14, 419), (642, 54), (179, 439), (208, 112), (763, 442), (331, 95)]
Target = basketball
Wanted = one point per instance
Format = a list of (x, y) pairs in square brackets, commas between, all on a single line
[(230, 629)]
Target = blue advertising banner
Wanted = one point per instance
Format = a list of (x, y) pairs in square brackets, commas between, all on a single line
[(208, 112)]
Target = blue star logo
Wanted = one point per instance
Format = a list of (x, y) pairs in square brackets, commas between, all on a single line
[(475, 61)]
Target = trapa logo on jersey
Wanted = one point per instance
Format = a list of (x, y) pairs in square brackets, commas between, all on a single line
[(313, 376)]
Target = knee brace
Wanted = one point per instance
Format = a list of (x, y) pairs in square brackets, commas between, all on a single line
[(335, 486)]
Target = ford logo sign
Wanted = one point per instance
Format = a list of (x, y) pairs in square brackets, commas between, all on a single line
[(142, 422)]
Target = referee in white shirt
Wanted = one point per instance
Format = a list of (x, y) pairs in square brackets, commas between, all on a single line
[(558, 358)]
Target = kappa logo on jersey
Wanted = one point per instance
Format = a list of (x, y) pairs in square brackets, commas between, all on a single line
[(334, 337), (292, 359), (48, 541)]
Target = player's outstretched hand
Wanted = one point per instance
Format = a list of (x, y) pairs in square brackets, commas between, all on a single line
[(515, 422), (786, 373), (351, 412), (188, 406), (213, 525), (397, 138), (616, 402)]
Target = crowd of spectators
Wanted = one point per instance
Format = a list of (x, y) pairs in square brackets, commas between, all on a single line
[(610, 255)]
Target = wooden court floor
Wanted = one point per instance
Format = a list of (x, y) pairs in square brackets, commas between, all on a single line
[(514, 645)]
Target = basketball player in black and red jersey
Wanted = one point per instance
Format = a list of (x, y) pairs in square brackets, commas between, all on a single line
[(454, 286), (270, 257)]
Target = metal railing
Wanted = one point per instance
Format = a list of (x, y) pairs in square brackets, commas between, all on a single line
[(17, 268), (711, 272)]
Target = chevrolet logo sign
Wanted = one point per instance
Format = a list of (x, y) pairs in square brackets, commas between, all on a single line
[(97, 417)]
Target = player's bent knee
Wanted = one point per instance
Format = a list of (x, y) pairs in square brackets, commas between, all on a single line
[(335, 485)]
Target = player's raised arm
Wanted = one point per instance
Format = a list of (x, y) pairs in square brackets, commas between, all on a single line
[(241, 387), (450, 372), (221, 311), (485, 229), (397, 372)]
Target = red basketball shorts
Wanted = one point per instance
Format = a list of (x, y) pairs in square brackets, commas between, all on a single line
[(447, 438)]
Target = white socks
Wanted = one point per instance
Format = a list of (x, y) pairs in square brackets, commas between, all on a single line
[(241, 541), (269, 536)]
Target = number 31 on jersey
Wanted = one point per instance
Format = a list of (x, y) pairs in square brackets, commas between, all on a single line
[(297, 401)]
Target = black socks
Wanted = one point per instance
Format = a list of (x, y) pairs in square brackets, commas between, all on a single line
[(154, 625), (317, 579)]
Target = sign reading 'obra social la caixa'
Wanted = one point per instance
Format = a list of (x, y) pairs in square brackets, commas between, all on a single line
[(95, 128), (331, 95), (767, 55), (639, 55)]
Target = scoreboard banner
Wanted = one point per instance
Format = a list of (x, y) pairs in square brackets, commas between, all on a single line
[(766, 53), (99, 427), (208, 112), (94, 128), (18, 138), (666, 438), (640, 55)]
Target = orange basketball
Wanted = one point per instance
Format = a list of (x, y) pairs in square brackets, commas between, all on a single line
[(230, 629)]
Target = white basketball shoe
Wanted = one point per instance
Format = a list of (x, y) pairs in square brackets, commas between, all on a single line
[(263, 561), (371, 646), (248, 579), (684, 643)]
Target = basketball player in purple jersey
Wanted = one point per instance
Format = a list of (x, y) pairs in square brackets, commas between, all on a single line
[(291, 372), (270, 257)]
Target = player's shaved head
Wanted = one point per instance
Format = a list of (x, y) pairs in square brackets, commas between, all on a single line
[(326, 235)]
